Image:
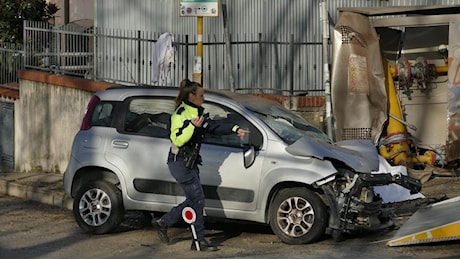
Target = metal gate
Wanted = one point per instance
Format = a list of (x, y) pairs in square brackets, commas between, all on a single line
[(7, 136)]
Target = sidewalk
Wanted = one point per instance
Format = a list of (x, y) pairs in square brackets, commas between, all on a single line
[(45, 188)]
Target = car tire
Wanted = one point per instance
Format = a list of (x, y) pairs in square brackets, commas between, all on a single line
[(298, 216), (98, 207)]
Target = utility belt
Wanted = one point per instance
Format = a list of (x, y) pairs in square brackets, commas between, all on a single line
[(184, 151), (190, 154)]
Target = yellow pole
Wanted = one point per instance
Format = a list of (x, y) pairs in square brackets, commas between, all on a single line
[(398, 147), (199, 50), (394, 126), (197, 75)]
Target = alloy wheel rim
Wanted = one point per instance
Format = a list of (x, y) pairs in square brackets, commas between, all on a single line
[(295, 216), (95, 207)]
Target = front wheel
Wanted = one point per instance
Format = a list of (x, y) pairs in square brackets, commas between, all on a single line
[(98, 207), (298, 216)]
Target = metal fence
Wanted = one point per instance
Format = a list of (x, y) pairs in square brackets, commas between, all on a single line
[(65, 50), (11, 61), (272, 64)]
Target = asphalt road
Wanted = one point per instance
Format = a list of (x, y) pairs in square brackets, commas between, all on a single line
[(32, 230)]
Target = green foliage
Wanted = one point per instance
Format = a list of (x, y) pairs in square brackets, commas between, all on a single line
[(14, 12)]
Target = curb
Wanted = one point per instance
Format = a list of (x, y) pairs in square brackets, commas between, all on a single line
[(28, 192)]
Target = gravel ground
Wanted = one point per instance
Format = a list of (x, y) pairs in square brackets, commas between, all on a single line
[(435, 189), (442, 186)]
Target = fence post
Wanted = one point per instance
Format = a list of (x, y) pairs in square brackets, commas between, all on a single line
[(291, 66), (259, 74), (138, 56), (291, 72), (186, 56), (96, 49), (58, 53), (24, 43), (228, 47)]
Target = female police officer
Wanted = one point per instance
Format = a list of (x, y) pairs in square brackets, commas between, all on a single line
[(188, 126)]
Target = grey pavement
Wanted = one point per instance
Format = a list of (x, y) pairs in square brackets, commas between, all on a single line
[(45, 188)]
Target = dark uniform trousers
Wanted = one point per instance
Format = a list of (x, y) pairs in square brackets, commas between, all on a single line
[(189, 180)]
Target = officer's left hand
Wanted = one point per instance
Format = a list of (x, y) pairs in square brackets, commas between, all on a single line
[(242, 132), (197, 121)]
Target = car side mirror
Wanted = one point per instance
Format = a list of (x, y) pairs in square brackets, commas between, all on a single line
[(249, 155)]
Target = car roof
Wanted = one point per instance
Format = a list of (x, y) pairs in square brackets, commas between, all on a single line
[(121, 92)]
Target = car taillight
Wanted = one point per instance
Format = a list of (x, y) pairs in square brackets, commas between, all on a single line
[(86, 123)]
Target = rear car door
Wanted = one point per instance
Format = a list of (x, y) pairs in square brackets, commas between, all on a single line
[(140, 149)]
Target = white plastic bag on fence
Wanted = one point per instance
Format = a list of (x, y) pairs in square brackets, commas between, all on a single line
[(163, 59)]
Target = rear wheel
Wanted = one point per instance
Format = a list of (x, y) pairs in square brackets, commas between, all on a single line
[(298, 216), (98, 207)]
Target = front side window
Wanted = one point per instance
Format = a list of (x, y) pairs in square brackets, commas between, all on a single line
[(228, 116)]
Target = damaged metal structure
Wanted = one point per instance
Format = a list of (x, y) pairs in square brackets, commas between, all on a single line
[(396, 81)]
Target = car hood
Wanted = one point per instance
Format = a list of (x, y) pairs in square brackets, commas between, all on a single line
[(361, 155)]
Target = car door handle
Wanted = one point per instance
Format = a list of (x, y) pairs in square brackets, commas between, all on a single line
[(120, 144)]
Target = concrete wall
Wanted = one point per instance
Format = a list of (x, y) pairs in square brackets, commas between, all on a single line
[(48, 115)]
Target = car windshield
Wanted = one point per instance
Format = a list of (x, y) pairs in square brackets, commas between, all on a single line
[(287, 124)]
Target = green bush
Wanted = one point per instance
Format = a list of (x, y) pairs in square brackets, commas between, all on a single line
[(14, 12)]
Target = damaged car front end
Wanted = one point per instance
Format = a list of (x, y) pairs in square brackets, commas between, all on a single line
[(354, 205), (353, 194)]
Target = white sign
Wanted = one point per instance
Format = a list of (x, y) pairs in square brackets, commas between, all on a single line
[(199, 8), (197, 68), (188, 214)]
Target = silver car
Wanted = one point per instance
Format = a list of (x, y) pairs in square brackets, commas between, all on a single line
[(285, 173)]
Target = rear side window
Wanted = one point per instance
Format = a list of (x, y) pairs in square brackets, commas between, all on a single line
[(149, 116), (102, 114)]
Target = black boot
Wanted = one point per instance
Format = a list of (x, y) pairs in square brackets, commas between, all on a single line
[(162, 228), (204, 246)]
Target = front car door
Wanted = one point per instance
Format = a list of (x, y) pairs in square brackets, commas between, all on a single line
[(226, 182)]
